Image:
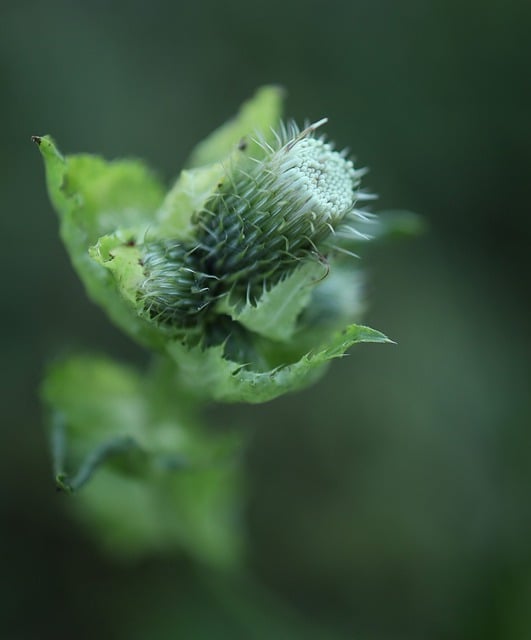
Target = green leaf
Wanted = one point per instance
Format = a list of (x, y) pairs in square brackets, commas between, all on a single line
[(94, 198), (207, 373), (386, 225), (123, 261), (192, 511), (189, 194), (146, 475), (260, 114), (276, 312), (398, 222), (336, 302)]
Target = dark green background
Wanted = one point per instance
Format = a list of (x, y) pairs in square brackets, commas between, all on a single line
[(393, 500)]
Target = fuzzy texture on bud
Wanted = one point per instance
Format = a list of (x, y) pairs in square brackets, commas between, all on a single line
[(268, 216)]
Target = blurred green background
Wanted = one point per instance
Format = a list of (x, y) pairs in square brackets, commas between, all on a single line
[(393, 500)]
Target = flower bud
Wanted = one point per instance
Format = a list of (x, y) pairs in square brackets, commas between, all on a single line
[(267, 216)]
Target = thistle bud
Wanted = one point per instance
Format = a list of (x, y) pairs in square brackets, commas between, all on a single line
[(225, 272), (268, 216)]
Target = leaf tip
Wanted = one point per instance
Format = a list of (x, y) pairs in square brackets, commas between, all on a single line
[(274, 88), (62, 485), (45, 143), (47, 146)]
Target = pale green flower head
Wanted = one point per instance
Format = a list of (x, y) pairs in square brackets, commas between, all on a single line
[(223, 273), (321, 181)]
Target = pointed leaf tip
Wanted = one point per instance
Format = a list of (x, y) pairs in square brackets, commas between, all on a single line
[(47, 147)]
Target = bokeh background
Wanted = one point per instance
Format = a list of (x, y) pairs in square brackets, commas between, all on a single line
[(391, 501)]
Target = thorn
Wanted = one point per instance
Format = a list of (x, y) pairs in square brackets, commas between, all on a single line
[(36, 139), (305, 132)]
